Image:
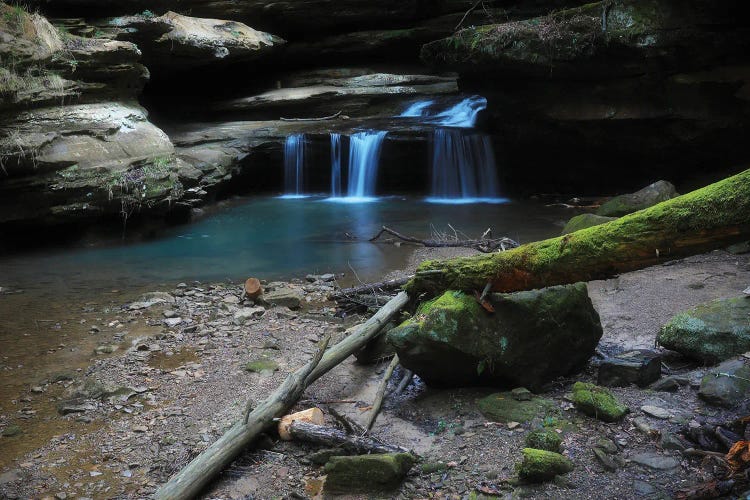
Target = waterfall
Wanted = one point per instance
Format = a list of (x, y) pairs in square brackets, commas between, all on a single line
[(364, 155), (294, 165), (419, 108), (464, 114), (335, 165), (463, 168)]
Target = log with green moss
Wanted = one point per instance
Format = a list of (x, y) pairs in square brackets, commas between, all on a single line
[(708, 218)]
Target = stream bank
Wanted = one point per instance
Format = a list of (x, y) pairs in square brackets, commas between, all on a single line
[(184, 384)]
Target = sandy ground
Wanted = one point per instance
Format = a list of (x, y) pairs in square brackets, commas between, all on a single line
[(188, 385)]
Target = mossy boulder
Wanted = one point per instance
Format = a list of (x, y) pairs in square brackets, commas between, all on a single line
[(530, 339), (647, 197), (366, 473), (727, 384), (583, 221), (541, 465), (598, 402), (711, 332), (544, 439), (503, 407)]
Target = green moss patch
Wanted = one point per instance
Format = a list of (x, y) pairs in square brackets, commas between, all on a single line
[(544, 439), (598, 402), (541, 465), (503, 407), (365, 473)]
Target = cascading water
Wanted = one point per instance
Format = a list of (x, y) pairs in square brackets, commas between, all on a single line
[(364, 155), (463, 162), (417, 109), (335, 165), (463, 168), (294, 166)]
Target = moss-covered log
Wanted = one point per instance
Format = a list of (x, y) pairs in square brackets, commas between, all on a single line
[(708, 218)]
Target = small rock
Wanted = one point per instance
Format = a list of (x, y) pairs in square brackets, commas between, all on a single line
[(362, 473), (244, 315), (727, 384), (139, 428), (172, 322), (656, 412), (640, 367), (105, 349), (37, 389), (68, 408), (644, 426), (61, 495), (540, 465), (605, 460), (598, 402), (522, 394), (606, 445), (284, 297), (544, 439), (667, 384), (643, 489), (654, 461), (262, 365), (169, 314), (671, 441)]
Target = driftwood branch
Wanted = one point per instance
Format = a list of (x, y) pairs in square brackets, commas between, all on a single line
[(334, 438), (320, 119), (709, 218), (483, 245), (188, 482), (405, 381), (471, 9), (380, 394), (381, 286)]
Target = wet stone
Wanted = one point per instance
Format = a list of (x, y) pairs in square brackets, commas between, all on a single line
[(640, 367), (654, 461)]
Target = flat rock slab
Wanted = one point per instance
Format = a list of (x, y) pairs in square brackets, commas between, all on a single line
[(656, 412), (640, 367), (727, 384), (654, 461)]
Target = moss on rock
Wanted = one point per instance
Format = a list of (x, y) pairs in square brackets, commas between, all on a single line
[(647, 197), (503, 407), (598, 402), (583, 221), (262, 365), (544, 439), (364, 473), (541, 465), (531, 338), (710, 332)]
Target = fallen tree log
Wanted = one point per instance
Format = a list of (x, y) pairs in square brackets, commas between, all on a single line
[(334, 438), (188, 482), (709, 218)]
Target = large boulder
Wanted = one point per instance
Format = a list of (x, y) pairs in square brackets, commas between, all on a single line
[(176, 42), (647, 197), (711, 332), (531, 338)]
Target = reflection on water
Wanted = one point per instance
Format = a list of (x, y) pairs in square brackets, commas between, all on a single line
[(275, 238)]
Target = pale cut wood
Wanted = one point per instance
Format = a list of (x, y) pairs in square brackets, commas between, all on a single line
[(311, 415), (188, 482)]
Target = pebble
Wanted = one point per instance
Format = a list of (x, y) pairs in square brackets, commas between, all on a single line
[(654, 461), (172, 322), (656, 412)]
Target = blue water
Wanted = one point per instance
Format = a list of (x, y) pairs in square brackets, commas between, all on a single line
[(274, 238), (419, 108)]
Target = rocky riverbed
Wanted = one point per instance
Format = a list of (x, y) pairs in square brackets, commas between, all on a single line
[(149, 403)]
